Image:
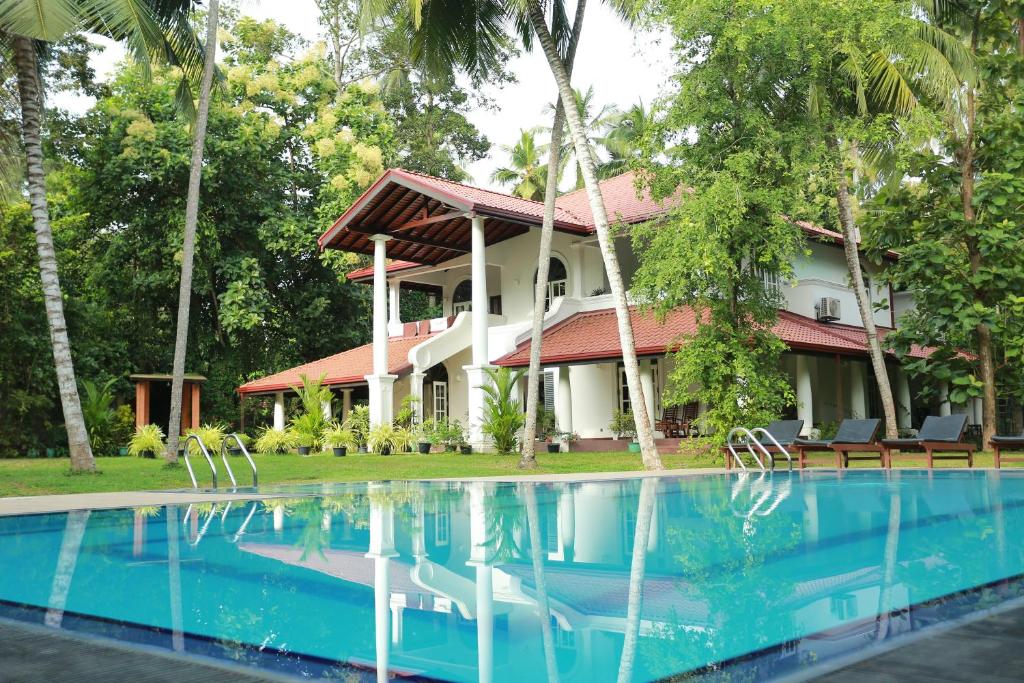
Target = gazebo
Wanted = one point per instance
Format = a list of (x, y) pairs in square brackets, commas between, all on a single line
[(153, 400)]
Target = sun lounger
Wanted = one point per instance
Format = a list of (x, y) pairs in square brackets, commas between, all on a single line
[(937, 434), (1009, 443), (853, 436), (785, 432)]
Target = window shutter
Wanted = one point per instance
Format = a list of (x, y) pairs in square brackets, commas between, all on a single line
[(549, 391)]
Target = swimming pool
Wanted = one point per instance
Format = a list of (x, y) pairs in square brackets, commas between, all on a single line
[(514, 582)]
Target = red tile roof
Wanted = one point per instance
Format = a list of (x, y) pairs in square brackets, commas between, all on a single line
[(620, 202), (392, 267), (593, 335), (347, 367)]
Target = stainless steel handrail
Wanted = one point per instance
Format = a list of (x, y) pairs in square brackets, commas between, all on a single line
[(245, 452), (782, 449), (206, 454), (206, 525), (749, 443)]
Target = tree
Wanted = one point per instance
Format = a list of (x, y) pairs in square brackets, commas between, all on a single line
[(525, 172), (957, 233), (191, 222), (27, 22), (596, 123), (624, 140), (588, 167)]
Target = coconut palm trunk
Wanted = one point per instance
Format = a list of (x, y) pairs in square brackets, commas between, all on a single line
[(529, 456), (584, 154), (70, 547), (543, 606), (191, 221), (849, 227), (31, 96), (892, 539), (637, 571)]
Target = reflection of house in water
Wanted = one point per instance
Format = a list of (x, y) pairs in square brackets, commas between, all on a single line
[(455, 595)]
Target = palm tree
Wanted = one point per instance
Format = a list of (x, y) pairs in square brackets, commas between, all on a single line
[(623, 140), (588, 167), (595, 122), (539, 581), (528, 460), (882, 80), (525, 172), (151, 30), (637, 574), (191, 221)]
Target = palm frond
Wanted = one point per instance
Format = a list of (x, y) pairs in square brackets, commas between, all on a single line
[(888, 85), (49, 21)]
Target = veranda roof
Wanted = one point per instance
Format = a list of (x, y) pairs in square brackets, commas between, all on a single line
[(594, 336)]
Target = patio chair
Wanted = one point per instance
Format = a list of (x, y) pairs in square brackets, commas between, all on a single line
[(785, 432), (937, 434), (853, 436), (669, 424), (689, 419), (1009, 443)]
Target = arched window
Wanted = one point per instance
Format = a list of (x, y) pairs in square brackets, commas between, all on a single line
[(558, 278), (462, 297)]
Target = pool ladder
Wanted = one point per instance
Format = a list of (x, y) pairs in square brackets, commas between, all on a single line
[(224, 456), (750, 442)]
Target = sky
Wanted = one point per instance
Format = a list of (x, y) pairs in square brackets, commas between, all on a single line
[(623, 66)]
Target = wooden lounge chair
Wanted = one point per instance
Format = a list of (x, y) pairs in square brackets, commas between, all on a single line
[(785, 432), (689, 419), (670, 425), (853, 436), (937, 434), (1009, 443)]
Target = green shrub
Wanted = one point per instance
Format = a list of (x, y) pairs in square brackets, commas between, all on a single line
[(622, 424), (338, 436), (359, 422), (147, 439), (406, 412), (308, 429), (212, 435), (403, 439), (123, 425), (274, 441), (98, 412), (503, 417), (381, 439), (311, 424)]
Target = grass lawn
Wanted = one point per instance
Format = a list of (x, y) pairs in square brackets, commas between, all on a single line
[(29, 477)]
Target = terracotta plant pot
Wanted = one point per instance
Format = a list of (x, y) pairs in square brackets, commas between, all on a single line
[(339, 452)]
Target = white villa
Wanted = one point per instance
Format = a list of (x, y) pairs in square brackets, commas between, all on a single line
[(475, 250)]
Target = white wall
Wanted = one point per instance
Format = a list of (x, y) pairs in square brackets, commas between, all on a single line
[(593, 398), (824, 274)]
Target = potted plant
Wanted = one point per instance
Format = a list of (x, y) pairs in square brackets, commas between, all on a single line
[(380, 439), (304, 443), (359, 423), (568, 438), (427, 436), (275, 441), (402, 440), (623, 424), (339, 439), (455, 438), (147, 441)]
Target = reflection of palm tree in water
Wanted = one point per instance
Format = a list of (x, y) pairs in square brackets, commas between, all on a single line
[(536, 552), (504, 525), (637, 570), (892, 538), (70, 546)]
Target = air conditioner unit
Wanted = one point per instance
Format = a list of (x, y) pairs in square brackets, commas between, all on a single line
[(827, 309)]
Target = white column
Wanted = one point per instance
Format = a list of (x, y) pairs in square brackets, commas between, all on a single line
[(480, 558), (475, 374), (346, 403), (858, 394), (804, 394), (944, 407), (416, 390), (394, 303), (902, 399), (563, 403), (647, 386), (325, 406), (382, 549), (381, 384), (279, 410), (576, 270)]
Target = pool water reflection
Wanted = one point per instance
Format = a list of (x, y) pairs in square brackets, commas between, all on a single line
[(586, 581)]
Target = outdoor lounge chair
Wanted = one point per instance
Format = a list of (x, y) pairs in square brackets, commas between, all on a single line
[(853, 436), (670, 425), (942, 434), (785, 432), (1009, 443)]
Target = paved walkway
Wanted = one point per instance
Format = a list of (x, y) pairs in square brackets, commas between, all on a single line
[(25, 505)]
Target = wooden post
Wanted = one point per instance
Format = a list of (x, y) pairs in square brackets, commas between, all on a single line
[(241, 409), (186, 409), (141, 403), (195, 405)]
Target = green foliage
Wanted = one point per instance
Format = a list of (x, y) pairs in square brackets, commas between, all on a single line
[(359, 422), (380, 439), (122, 425), (148, 439), (337, 436), (406, 412), (310, 425), (273, 440), (97, 409), (622, 424), (212, 435), (503, 416), (545, 422), (403, 439), (307, 429)]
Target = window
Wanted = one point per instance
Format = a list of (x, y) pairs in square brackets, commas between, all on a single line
[(442, 527), (565, 639), (462, 297), (495, 305), (771, 280), (625, 405), (558, 277), (440, 399)]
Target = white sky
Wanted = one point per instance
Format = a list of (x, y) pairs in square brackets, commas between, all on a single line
[(622, 66)]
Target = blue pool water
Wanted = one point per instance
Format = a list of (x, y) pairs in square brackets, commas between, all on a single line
[(764, 575)]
